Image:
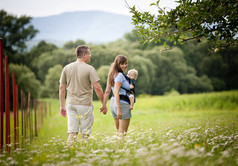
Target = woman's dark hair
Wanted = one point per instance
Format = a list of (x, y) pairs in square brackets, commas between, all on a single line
[(115, 68)]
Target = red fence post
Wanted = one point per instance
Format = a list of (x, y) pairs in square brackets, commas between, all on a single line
[(1, 95), (7, 106)]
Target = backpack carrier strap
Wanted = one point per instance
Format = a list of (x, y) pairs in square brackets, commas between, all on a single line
[(124, 98)]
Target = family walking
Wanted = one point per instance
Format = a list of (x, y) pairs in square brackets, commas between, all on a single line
[(78, 79)]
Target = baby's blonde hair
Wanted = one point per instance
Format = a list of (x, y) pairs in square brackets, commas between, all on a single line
[(134, 71)]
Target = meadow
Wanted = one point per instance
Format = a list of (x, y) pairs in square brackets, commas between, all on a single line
[(195, 129)]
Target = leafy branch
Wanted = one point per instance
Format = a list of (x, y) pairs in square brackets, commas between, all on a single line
[(216, 21)]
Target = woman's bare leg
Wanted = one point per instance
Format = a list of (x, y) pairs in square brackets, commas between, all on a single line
[(117, 124), (123, 126)]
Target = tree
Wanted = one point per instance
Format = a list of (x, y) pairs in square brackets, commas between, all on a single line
[(39, 49), (32, 58), (145, 70), (15, 32), (50, 59), (217, 21), (173, 73), (51, 88), (25, 79), (74, 45), (104, 55), (103, 73), (230, 57)]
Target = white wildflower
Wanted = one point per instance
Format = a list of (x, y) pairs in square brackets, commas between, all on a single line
[(172, 140), (169, 133), (225, 154), (80, 154), (13, 162), (141, 152), (214, 148), (96, 151), (65, 155), (200, 149), (152, 159), (9, 159), (104, 162), (179, 151), (46, 145), (120, 162), (108, 150), (209, 154), (192, 153)]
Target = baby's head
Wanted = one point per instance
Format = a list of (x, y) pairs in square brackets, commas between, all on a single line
[(132, 74)]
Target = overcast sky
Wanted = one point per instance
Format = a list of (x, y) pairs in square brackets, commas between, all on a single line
[(39, 8)]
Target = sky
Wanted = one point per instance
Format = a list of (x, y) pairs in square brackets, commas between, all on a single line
[(41, 8)]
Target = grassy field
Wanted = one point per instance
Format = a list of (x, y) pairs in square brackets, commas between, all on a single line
[(199, 129)]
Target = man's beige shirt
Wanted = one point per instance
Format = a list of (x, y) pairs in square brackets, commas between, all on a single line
[(79, 78)]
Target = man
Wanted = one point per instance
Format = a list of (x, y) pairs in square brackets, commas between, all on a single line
[(79, 78)]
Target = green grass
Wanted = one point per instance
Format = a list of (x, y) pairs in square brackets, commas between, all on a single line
[(198, 129)]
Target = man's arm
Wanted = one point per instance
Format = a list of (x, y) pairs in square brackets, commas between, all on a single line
[(99, 91), (62, 88)]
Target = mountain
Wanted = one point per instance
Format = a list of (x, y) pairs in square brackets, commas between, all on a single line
[(90, 26)]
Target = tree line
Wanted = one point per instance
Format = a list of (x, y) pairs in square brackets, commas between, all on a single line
[(189, 68), (192, 67)]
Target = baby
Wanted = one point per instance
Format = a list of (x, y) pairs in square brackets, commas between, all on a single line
[(132, 74)]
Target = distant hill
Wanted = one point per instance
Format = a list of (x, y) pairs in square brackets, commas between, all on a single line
[(90, 26)]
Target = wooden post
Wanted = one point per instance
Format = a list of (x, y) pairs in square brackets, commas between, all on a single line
[(41, 113), (28, 113), (49, 109), (17, 117), (1, 95), (35, 106), (25, 116), (31, 121), (7, 106), (14, 107), (45, 109), (22, 117)]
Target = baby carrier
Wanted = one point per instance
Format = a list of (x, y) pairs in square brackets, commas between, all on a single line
[(131, 91)]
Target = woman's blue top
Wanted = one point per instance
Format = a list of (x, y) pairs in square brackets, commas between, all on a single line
[(124, 83)]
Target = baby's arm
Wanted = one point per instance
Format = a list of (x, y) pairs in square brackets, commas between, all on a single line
[(131, 86)]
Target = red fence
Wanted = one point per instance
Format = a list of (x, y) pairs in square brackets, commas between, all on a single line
[(32, 111)]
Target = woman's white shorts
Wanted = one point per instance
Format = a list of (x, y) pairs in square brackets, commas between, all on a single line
[(80, 115)]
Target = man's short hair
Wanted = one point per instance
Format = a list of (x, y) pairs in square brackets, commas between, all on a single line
[(80, 50)]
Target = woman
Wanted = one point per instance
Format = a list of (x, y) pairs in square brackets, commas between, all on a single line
[(119, 105)]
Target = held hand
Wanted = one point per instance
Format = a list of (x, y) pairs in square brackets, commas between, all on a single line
[(63, 111), (103, 110)]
